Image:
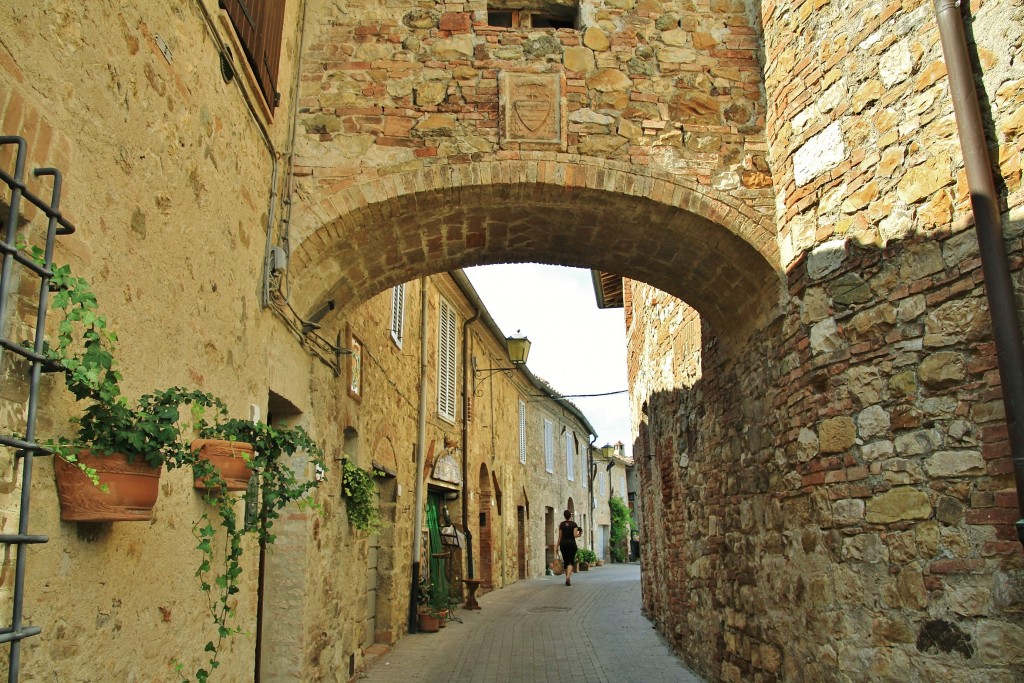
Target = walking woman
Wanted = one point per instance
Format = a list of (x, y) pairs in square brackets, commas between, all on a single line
[(568, 532)]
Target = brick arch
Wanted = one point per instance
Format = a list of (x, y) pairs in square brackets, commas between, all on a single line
[(703, 246)]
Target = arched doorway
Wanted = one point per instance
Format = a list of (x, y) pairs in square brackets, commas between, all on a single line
[(522, 524), (486, 566)]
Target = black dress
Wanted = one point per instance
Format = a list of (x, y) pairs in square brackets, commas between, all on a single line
[(568, 544)]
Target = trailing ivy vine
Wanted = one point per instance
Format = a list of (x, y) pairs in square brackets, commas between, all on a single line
[(278, 487), (360, 492), (152, 430)]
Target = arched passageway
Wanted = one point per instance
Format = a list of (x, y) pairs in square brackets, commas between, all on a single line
[(705, 247)]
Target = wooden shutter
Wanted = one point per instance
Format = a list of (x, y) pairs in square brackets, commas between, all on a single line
[(259, 24), (398, 314), (549, 446), (522, 432), (446, 361)]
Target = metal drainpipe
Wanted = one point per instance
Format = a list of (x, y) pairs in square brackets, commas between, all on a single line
[(467, 369), (421, 435), (988, 224)]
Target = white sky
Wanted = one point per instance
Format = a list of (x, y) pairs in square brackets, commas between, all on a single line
[(575, 346)]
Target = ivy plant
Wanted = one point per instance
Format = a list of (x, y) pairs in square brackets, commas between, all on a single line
[(152, 429), (278, 486), (621, 525), (360, 493)]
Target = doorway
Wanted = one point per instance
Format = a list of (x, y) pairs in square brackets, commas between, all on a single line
[(486, 543)]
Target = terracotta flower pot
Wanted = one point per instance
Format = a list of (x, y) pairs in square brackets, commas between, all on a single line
[(132, 489), (428, 623), (227, 457)]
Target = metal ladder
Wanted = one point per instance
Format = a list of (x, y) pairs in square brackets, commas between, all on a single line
[(26, 449)]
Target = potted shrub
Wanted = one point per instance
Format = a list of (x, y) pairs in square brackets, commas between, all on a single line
[(428, 617), (232, 460), (584, 558)]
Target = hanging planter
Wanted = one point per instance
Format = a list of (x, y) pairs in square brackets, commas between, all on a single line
[(230, 458), (127, 490)]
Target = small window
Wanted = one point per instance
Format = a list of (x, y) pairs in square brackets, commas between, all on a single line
[(549, 446), (398, 314), (502, 18), (522, 432), (535, 14)]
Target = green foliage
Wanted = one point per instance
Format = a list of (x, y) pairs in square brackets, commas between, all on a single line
[(278, 485), (152, 429), (360, 497), (586, 555), (621, 525), (84, 349)]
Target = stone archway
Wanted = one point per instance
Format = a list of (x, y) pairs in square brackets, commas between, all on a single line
[(703, 246)]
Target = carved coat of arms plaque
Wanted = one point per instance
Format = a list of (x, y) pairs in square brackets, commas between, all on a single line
[(531, 108)]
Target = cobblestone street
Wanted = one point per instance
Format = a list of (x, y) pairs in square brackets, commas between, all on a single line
[(541, 631)]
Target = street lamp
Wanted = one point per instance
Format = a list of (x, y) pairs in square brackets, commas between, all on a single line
[(518, 348)]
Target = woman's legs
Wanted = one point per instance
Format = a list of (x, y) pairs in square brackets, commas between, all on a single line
[(569, 561)]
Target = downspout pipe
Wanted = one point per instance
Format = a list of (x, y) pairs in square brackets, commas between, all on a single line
[(466, 371), (421, 436), (988, 225)]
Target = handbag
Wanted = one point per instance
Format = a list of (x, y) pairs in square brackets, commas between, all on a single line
[(556, 566)]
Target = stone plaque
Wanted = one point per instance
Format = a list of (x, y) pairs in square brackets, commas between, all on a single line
[(531, 109)]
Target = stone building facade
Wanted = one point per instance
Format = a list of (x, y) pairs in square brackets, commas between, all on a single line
[(839, 503), (829, 492)]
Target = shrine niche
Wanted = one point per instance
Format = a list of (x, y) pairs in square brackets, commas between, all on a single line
[(448, 467), (532, 110)]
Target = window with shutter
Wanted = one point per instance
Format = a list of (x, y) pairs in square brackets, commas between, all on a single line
[(446, 361), (259, 25), (522, 432), (570, 455), (398, 314), (549, 446)]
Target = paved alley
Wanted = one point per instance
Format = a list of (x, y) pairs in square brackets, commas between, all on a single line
[(541, 631)]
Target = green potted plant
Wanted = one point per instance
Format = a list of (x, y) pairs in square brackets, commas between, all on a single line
[(427, 615), (585, 557), (110, 469), (278, 486), (150, 434)]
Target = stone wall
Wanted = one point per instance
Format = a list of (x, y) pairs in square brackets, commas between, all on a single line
[(850, 516), (167, 180), (835, 501)]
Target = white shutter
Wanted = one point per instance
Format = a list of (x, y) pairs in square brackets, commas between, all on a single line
[(398, 314), (446, 361), (570, 452), (522, 432), (549, 446)]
